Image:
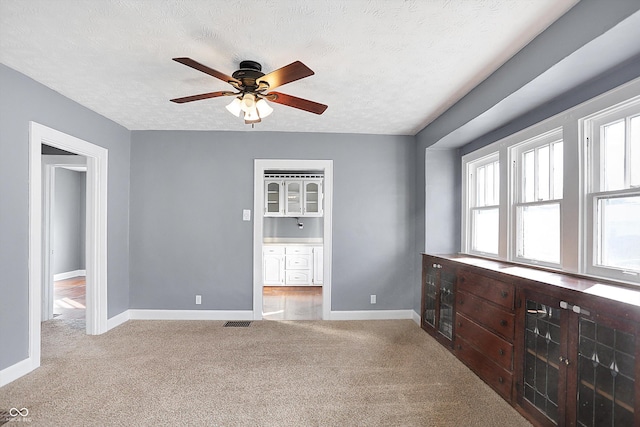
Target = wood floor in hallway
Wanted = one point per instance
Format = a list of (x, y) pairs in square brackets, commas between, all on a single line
[(292, 303), (69, 298)]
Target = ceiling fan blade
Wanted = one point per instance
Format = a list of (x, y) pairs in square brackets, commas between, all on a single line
[(295, 102), (207, 70), (287, 74), (201, 96)]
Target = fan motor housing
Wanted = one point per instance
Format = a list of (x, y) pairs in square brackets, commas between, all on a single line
[(249, 73)]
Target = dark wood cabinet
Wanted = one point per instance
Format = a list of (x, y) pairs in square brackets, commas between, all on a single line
[(562, 349), (438, 299)]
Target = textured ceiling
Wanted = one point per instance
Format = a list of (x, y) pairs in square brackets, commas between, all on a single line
[(383, 67)]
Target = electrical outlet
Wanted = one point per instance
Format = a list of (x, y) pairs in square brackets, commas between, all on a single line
[(246, 215), (373, 299), (198, 299)]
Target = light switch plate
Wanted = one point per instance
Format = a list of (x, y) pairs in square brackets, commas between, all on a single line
[(246, 215)]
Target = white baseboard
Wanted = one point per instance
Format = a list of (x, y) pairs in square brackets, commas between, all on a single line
[(416, 318), (143, 314), (372, 315), (14, 372), (69, 274), (117, 320)]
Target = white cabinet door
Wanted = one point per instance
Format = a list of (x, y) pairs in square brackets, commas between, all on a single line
[(273, 265), (298, 277), (318, 265), (293, 198), (274, 198), (313, 198)]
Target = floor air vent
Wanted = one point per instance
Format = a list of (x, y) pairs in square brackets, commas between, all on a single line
[(237, 324)]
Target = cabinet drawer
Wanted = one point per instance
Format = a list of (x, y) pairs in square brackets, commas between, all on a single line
[(493, 290), (273, 250), (486, 314), (489, 344), (498, 378), (297, 277), (298, 262), (293, 250)]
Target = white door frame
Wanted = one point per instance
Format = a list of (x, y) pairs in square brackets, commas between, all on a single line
[(96, 248), (260, 165), (50, 164)]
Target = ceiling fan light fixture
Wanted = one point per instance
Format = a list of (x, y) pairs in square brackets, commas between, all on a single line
[(251, 116), (248, 102), (235, 107), (264, 109)]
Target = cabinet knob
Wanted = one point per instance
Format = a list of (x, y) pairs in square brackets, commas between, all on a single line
[(501, 351), (459, 347), (503, 322), (564, 360), (461, 301), (504, 294), (500, 380), (462, 279)]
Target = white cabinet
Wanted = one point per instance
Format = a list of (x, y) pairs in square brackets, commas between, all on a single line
[(293, 197), (273, 198), (273, 265), (318, 265), (292, 265)]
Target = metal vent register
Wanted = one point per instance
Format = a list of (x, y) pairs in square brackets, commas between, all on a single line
[(237, 324)]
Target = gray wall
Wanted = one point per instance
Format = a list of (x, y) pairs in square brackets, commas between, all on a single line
[(69, 221), (313, 227), (21, 100), (188, 190)]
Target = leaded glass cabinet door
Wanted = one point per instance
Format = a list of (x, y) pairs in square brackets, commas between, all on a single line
[(447, 298), (544, 370), (430, 283), (606, 373)]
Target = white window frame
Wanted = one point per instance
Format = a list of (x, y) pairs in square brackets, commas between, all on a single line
[(516, 154), (591, 127), (470, 177), (577, 206)]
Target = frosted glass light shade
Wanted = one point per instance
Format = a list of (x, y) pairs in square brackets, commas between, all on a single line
[(263, 108), (235, 107), (248, 102)]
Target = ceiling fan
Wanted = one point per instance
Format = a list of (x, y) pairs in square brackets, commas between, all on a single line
[(252, 86)]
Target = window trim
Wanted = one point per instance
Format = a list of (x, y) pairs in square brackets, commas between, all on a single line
[(590, 126), (470, 168), (574, 208), (516, 195)]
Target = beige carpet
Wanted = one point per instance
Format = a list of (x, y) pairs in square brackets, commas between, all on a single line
[(304, 373)]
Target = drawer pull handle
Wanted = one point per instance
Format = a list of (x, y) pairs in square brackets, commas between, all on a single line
[(500, 380), (504, 294), (503, 322), (501, 351)]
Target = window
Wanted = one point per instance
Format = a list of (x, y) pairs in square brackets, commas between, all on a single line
[(563, 193), (484, 201), (537, 198), (613, 196)]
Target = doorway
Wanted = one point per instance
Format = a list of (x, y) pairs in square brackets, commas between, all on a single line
[(96, 231), (260, 166), (64, 234)]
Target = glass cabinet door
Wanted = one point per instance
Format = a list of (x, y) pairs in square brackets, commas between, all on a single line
[(294, 197), (312, 197), (430, 292), (606, 377), (273, 198), (447, 296), (542, 357)]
